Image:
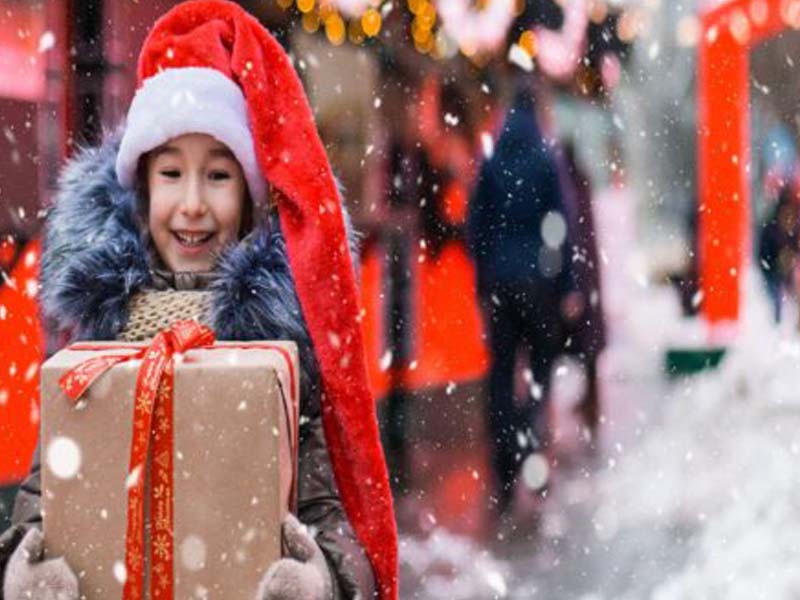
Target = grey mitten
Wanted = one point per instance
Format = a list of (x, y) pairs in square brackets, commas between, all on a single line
[(304, 575), (28, 577)]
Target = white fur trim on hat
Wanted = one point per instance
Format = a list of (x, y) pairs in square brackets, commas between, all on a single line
[(189, 100)]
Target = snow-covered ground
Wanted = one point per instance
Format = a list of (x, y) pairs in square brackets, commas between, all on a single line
[(723, 463)]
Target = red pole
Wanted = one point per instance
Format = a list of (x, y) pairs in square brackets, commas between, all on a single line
[(724, 153), (723, 141)]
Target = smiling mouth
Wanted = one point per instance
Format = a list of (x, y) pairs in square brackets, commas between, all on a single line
[(193, 239)]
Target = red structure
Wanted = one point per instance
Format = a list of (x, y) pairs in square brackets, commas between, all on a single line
[(20, 358), (728, 35)]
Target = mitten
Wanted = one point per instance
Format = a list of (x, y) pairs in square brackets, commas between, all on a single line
[(304, 574), (28, 577)]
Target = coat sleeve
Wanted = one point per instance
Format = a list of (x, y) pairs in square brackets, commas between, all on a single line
[(319, 507), (27, 514)]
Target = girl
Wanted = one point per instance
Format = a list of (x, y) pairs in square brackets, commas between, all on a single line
[(171, 219)]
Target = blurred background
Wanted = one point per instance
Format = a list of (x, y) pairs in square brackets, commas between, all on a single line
[(655, 144)]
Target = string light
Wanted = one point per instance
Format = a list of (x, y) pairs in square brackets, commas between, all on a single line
[(335, 29), (477, 27), (427, 15), (528, 42), (371, 22), (441, 28), (415, 5), (305, 6)]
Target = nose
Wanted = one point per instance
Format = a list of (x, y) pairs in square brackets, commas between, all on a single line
[(194, 202)]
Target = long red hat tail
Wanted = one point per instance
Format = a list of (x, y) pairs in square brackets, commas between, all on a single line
[(221, 35)]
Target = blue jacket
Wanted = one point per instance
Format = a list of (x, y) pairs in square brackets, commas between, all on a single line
[(517, 187)]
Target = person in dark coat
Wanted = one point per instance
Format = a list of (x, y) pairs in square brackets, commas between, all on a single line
[(586, 331), (516, 233), (779, 246), (172, 219)]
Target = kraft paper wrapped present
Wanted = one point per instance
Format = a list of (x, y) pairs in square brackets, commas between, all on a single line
[(234, 464)]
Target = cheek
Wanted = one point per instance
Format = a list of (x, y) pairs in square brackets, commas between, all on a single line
[(158, 218), (229, 215)]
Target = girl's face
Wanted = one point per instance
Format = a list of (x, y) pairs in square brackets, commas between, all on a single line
[(196, 194)]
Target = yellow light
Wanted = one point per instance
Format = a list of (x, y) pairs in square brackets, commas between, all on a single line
[(415, 5), (305, 6), (311, 22), (529, 43), (427, 15), (326, 11), (425, 46), (284, 4), (371, 22), (334, 29), (419, 32)]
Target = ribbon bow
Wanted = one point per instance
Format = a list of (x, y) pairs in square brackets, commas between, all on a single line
[(154, 398)]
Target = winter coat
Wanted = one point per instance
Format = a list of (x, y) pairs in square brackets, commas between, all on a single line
[(517, 187), (95, 265), (780, 240), (588, 332)]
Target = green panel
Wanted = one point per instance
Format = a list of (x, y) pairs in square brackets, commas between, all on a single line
[(687, 361)]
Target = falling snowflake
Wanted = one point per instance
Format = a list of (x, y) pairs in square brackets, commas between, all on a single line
[(193, 553), (63, 457), (120, 572), (46, 42), (487, 144)]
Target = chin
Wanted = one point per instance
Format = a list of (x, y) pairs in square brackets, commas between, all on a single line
[(184, 266)]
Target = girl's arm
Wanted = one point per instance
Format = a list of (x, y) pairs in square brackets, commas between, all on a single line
[(320, 507)]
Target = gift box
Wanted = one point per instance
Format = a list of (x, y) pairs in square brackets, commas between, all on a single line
[(229, 411)]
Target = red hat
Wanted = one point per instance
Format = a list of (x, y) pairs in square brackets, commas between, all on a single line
[(184, 55)]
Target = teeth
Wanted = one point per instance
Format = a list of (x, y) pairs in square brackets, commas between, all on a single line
[(193, 239)]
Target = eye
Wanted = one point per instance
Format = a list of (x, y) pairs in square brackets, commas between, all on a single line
[(170, 173), (219, 175)]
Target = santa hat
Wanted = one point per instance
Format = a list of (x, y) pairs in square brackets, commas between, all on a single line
[(209, 67)]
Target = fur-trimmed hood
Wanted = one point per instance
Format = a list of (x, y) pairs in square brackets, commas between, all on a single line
[(95, 258)]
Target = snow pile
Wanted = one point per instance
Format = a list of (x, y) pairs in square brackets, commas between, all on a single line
[(724, 463), (450, 566)]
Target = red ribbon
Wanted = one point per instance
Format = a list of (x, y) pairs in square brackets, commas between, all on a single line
[(152, 424)]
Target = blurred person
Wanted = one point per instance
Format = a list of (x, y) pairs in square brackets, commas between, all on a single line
[(400, 189), (778, 248), (188, 220), (516, 234), (585, 328)]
